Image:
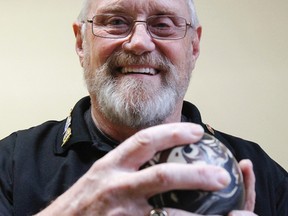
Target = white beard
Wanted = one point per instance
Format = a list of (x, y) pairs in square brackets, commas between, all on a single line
[(134, 102)]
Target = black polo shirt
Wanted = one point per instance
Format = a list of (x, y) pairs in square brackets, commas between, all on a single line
[(36, 166)]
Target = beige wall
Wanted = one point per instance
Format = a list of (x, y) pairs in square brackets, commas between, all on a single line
[(240, 82)]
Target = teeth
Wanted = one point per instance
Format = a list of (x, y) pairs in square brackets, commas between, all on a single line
[(150, 71)]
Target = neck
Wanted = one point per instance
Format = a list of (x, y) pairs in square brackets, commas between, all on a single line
[(121, 132)]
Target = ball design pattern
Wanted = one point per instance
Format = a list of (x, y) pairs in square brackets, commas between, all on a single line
[(208, 150)]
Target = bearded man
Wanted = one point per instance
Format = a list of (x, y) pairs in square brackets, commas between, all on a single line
[(137, 56)]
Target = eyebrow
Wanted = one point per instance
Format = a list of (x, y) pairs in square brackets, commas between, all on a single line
[(112, 8), (117, 8)]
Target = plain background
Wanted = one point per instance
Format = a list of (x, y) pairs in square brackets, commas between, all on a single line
[(239, 84)]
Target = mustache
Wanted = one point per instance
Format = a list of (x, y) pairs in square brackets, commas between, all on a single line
[(120, 59)]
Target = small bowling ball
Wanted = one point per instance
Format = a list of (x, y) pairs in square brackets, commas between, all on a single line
[(208, 150)]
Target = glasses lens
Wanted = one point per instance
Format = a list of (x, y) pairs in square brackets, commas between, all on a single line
[(118, 26), (167, 27), (111, 26)]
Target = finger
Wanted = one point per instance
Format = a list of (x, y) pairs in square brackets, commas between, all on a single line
[(141, 147), (179, 212), (246, 167), (241, 213), (170, 176)]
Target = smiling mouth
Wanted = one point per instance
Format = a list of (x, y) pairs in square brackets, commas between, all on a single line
[(139, 70)]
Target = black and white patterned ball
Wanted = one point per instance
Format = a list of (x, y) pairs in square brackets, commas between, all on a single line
[(208, 150)]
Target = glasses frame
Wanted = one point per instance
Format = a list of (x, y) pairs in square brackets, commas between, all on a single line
[(187, 25)]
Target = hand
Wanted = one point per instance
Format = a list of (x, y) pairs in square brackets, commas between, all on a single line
[(114, 185), (249, 181)]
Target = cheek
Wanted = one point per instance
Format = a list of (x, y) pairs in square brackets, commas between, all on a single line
[(101, 49), (187, 57), (181, 56)]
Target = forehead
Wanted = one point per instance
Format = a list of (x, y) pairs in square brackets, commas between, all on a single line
[(145, 7)]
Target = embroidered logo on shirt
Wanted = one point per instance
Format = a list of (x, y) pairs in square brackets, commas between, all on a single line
[(67, 130)]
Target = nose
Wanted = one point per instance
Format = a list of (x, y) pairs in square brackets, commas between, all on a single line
[(139, 41)]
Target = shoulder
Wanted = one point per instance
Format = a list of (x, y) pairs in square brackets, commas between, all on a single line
[(50, 131), (23, 139), (245, 149)]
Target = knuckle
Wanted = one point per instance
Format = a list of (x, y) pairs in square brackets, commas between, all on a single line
[(161, 175), (175, 134), (143, 138), (202, 172), (203, 175)]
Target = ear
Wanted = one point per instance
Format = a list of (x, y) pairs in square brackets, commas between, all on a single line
[(196, 42), (77, 27)]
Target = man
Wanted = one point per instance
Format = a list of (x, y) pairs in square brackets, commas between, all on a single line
[(137, 58)]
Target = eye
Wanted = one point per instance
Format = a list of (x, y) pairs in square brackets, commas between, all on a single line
[(161, 23), (117, 21)]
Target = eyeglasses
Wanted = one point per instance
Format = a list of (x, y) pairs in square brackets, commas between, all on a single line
[(163, 27)]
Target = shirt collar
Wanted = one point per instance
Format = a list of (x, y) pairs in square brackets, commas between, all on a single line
[(80, 130), (76, 124)]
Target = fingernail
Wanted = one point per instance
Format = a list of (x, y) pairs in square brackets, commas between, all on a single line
[(198, 130)]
